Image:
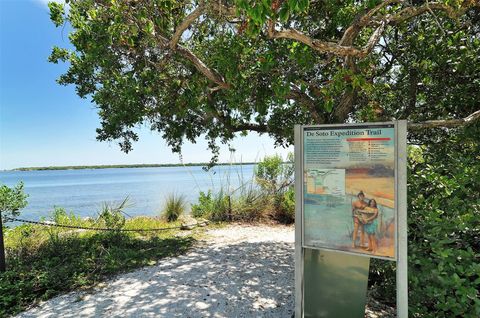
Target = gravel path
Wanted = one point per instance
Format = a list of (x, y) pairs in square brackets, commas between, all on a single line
[(238, 271)]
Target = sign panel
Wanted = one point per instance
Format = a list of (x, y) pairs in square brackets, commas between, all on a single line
[(349, 189)]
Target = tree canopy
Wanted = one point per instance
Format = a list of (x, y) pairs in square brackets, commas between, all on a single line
[(12, 200), (219, 68)]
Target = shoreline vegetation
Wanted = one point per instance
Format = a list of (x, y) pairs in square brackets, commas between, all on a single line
[(47, 261), (147, 165)]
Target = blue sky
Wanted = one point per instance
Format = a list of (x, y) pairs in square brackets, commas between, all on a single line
[(45, 124)]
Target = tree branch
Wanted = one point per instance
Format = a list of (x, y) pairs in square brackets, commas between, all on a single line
[(345, 47), (172, 45), (209, 73), (222, 10), (447, 123), (353, 30), (411, 12), (317, 45), (186, 24), (302, 98)]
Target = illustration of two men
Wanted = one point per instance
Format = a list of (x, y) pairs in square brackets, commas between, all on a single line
[(365, 220)]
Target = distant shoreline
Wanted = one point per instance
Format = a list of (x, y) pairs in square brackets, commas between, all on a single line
[(161, 165)]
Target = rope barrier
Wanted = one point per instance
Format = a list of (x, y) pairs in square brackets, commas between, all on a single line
[(105, 229)]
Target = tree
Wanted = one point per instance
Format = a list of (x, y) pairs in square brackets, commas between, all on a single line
[(219, 68), (222, 67), (12, 200)]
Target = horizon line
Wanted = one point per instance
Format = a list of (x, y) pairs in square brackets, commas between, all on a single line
[(139, 165)]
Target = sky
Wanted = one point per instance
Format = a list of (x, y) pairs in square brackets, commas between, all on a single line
[(45, 124)]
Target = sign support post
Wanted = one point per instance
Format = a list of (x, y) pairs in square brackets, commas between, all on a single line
[(401, 205), (299, 252)]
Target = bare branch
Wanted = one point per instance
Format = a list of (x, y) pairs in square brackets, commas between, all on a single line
[(250, 126), (353, 30), (447, 123), (186, 24), (345, 106), (345, 46), (374, 38), (222, 10), (411, 12), (209, 73), (321, 46)]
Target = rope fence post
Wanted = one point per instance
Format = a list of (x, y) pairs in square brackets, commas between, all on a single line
[(2, 247)]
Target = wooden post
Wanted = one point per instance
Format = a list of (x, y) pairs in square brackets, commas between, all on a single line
[(2, 247)]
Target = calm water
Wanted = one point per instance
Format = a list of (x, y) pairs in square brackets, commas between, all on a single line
[(84, 191)]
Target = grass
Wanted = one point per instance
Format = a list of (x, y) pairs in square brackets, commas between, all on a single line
[(267, 195), (43, 262), (175, 206)]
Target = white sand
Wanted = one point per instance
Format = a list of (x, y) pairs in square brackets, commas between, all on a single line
[(238, 271)]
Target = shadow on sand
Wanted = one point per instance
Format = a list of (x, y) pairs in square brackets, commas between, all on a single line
[(237, 280)]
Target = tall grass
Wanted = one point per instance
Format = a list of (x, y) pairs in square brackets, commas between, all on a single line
[(267, 194), (112, 215), (175, 205)]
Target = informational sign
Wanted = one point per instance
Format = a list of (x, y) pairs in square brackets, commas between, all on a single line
[(349, 189), (351, 201)]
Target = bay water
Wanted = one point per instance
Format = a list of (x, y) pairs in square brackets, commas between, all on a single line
[(84, 191)]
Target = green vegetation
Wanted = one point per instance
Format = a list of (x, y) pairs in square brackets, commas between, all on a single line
[(275, 179), (443, 230), (302, 62), (280, 63), (163, 165), (112, 216), (175, 206), (12, 200), (269, 196), (45, 261)]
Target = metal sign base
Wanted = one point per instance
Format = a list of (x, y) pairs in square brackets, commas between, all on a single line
[(335, 284)]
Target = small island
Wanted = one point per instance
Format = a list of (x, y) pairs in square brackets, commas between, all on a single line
[(153, 165)]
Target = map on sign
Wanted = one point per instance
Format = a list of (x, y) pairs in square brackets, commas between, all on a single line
[(326, 181)]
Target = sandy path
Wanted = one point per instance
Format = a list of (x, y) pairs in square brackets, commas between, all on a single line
[(239, 271)]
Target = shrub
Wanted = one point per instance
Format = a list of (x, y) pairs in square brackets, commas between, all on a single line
[(175, 205), (443, 231), (12, 200), (60, 216), (285, 206), (273, 175), (204, 207), (247, 205), (112, 216), (270, 195), (275, 179)]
